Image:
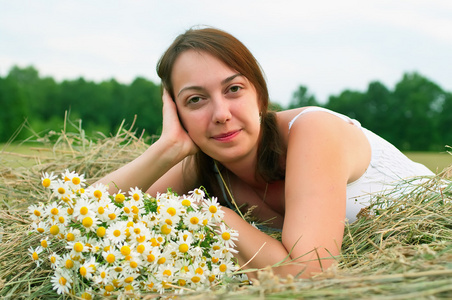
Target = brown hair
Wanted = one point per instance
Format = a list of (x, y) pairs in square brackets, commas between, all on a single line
[(234, 54)]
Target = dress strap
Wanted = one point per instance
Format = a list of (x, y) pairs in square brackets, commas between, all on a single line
[(316, 108)]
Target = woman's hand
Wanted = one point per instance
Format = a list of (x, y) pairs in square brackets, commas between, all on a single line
[(173, 132)]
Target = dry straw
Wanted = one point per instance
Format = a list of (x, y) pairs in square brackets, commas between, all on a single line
[(400, 248)]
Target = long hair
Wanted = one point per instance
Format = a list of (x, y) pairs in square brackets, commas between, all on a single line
[(234, 54)]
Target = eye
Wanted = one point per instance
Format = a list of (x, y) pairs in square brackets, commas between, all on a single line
[(194, 100), (235, 88)]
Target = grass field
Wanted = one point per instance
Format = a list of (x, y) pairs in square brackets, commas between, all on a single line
[(26, 154)]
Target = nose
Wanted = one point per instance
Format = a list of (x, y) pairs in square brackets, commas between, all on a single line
[(221, 110)]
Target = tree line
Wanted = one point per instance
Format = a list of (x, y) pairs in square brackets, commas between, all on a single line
[(416, 115)]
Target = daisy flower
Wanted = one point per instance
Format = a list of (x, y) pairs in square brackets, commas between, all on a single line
[(35, 254), (213, 209), (112, 255), (45, 243), (47, 179), (36, 211), (84, 207), (96, 192), (224, 268), (228, 235), (112, 212), (72, 234), (136, 194), (68, 262), (53, 210), (62, 190), (197, 195), (193, 220), (102, 276), (90, 223), (61, 281), (88, 268), (55, 260), (117, 232), (119, 197), (101, 209)]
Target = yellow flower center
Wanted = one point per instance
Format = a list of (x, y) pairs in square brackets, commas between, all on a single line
[(169, 221), (110, 258), (165, 229), (109, 288), (61, 190), (167, 272), (97, 194), (133, 264), (112, 216), (83, 271), (53, 259), (171, 211), (86, 296), (150, 258), (194, 220), (128, 279), (161, 260), (44, 244), (135, 209), (226, 236), (76, 180), (140, 248), (213, 209), (186, 202), (199, 271), (136, 197), (120, 198), (61, 220), (117, 233), (125, 250), (70, 211), (196, 279), (40, 230), (70, 237), (62, 281), (84, 210), (223, 268), (87, 222), (46, 182), (35, 256), (183, 248), (69, 264), (37, 213), (78, 247), (216, 247), (215, 260), (181, 282), (141, 239), (127, 210), (101, 210), (54, 230), (101, 231)]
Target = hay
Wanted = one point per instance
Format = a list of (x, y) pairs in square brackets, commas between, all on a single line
[(401, 248)]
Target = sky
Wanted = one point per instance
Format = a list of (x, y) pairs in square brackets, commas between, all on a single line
[(326, 45)]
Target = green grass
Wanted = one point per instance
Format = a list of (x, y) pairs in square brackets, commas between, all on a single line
[(25, 154), (435, 161)]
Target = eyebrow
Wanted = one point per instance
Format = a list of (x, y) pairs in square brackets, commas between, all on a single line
[(199, 88)]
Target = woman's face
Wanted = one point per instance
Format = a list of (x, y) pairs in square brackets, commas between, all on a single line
[(217, 106)]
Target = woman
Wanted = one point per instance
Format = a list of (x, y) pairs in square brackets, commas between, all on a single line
[(307, 170)]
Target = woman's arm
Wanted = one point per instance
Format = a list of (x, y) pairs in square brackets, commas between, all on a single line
[(319, 164), (166, 153)]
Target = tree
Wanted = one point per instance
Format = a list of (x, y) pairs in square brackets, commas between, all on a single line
[(302, 98)]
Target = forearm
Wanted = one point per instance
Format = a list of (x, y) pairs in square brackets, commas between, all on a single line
[(258, 250), (143, 171)]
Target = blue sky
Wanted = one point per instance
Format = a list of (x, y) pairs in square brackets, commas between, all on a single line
[(326, 45)]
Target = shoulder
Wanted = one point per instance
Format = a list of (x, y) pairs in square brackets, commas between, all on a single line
[(311, 123)]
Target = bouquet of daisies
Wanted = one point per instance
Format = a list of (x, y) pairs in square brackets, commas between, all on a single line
[(130, 242)]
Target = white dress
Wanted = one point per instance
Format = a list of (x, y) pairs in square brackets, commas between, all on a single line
[(387, 167)]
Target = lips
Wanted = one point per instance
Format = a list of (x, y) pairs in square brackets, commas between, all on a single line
[(226, 137)]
